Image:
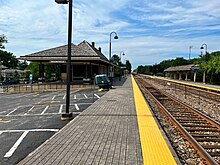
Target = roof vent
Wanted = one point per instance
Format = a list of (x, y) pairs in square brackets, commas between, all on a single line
[(93, 44), (100, 49)]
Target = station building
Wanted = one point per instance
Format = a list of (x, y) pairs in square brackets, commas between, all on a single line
[(86, 61)]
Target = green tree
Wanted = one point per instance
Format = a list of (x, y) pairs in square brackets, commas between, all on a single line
[(34, 69), (22, 65), (16, 75), (3, 40), (8, 59), (128, 66), (116, 59)]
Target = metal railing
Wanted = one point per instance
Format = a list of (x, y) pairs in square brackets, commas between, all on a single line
[(23, 88)]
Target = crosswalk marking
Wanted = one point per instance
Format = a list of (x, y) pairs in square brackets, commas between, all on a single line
[(85, 96)]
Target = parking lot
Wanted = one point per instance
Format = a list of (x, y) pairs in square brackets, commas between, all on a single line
[(28, 119)]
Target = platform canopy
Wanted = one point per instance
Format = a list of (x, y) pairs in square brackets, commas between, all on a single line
[(182, 68), (79, 53)]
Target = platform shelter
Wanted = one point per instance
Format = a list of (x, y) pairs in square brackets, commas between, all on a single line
[(182, 72)]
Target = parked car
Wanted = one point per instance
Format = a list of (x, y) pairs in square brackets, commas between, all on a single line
[(9, 82)]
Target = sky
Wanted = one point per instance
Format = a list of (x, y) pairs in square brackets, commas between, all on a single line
[(149, 31)]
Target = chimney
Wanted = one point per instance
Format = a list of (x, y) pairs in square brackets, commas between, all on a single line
[(100, 49), (93, 44)]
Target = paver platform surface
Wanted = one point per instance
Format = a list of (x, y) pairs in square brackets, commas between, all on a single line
[(102, 134)]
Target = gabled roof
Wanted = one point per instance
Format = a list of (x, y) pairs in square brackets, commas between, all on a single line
[(81, 51), (181, 68)]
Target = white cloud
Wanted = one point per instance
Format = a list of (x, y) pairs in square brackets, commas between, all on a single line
[(149, 31)]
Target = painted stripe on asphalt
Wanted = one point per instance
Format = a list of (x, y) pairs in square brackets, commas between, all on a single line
[(29, 110), (61, 108), (74, 97), (31, 130), (77, 107), (97, 96), (44, 110), (85, 96), (15, 146), (53, 97), (45, 114), (64, 97), (13, 111)]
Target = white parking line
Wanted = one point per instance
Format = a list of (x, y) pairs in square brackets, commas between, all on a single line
[(53, 97), (44, 110), (30, 130), (13, 111), (61, 108), (77, 107), (29, 110), (64, 96), (74, 97), (85, 96), (15, 146), (97, 96)]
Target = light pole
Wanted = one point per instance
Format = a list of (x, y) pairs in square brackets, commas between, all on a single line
[(206, 47), (121, 53), (110, 54), (0, 70), (68, 115), (190, 50), (110, 43)]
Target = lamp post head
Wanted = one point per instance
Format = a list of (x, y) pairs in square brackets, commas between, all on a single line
[(61, 1), (116, 37), (202, 47)]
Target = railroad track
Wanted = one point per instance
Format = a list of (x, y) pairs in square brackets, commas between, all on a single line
[(201, 131)]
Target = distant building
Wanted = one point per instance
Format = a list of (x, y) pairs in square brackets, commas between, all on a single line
[(181, 72), (86, 60), (9, 73)]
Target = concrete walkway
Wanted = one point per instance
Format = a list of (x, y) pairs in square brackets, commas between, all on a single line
[(105, 133)]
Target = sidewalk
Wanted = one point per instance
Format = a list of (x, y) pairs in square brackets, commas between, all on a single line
[(102, 134)]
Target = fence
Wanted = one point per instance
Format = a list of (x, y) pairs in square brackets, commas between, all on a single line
[(22, 88)]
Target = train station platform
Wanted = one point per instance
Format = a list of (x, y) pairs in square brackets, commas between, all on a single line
[(117, 129)]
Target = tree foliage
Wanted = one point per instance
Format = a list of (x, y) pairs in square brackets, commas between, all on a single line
[(210, 62), (34, 69), (8, 59), (3, 40)]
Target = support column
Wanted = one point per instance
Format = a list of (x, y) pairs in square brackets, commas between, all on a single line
[(203, 79), (174, 76), (180, 76), (194, 77), (41, 72), (186, 76)]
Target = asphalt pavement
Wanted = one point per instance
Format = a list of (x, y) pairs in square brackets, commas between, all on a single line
[(28, 119)]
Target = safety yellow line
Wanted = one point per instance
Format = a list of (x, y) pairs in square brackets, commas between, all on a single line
[(154, 148), (185, 83)]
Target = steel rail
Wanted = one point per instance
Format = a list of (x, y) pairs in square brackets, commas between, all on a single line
[(201, 151)]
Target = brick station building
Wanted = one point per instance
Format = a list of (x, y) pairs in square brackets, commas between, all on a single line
[(86, 61)]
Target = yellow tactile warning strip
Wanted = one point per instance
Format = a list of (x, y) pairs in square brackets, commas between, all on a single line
[(185, 83), (154, 148)]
